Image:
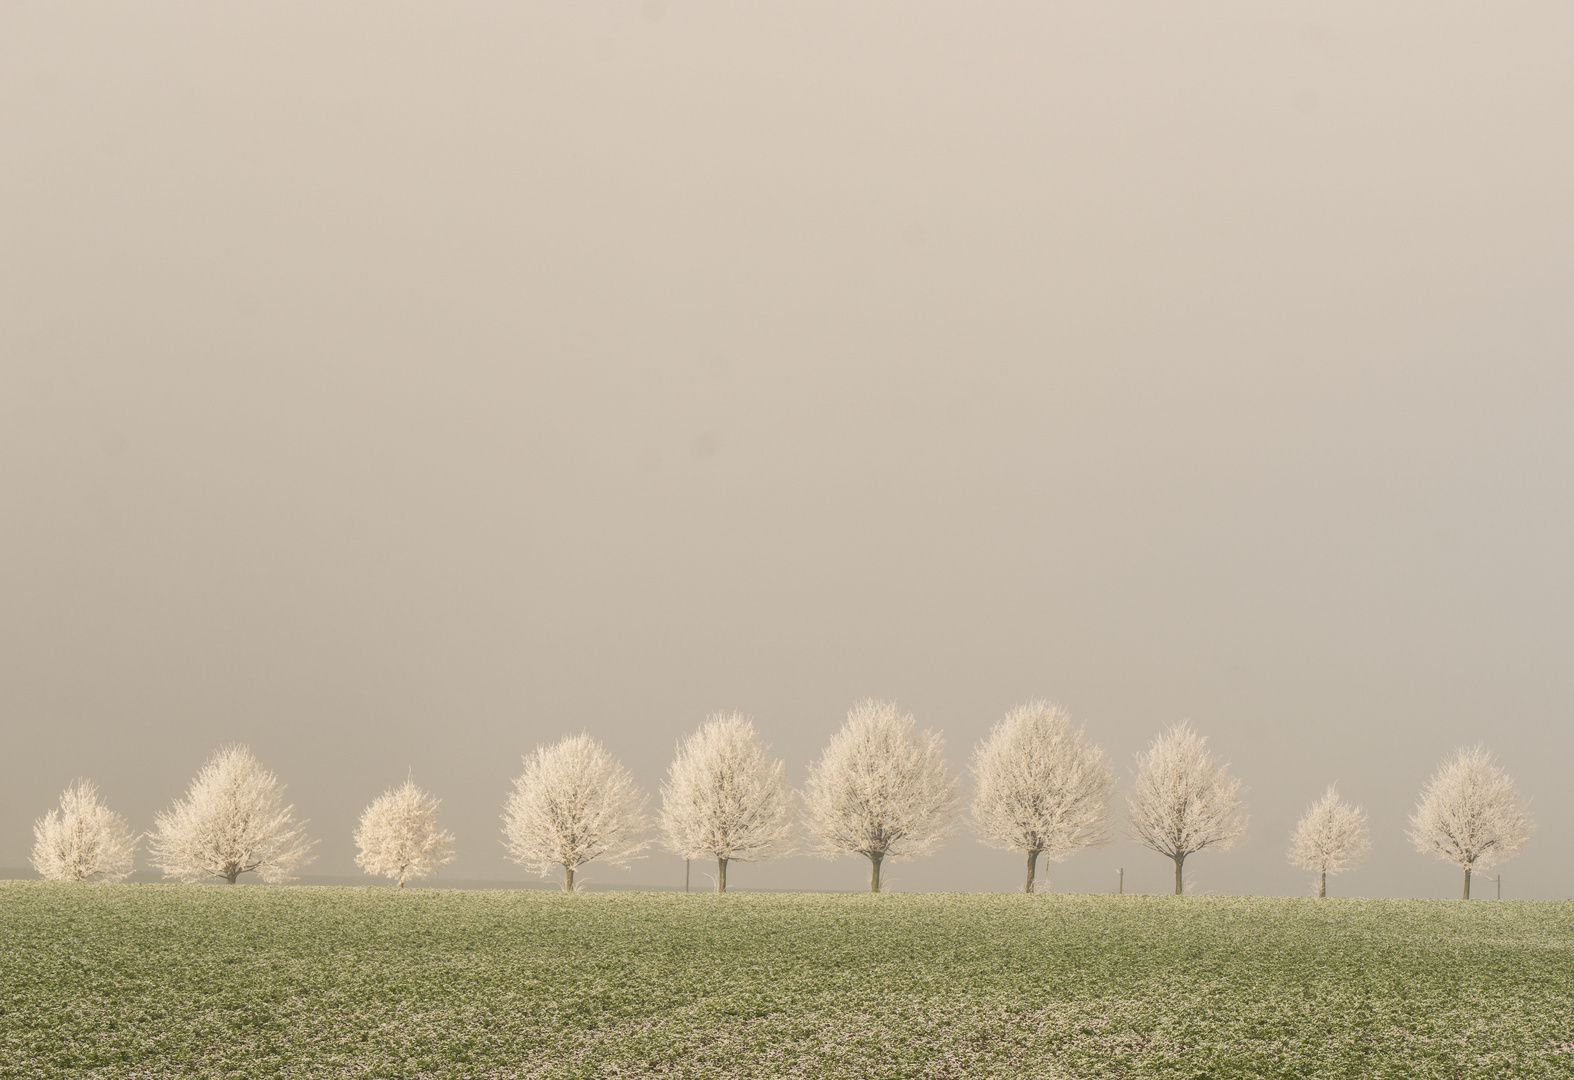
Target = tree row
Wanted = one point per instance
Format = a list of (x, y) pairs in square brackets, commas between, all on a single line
[(880, 790)]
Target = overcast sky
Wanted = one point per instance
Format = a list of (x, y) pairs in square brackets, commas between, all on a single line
[(390, 386)]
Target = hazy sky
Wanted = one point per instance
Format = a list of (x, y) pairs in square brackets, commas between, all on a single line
[(389, 386)]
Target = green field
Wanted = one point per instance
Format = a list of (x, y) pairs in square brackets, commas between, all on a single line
[(169, 980)]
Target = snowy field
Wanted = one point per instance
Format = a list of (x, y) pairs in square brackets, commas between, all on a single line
[(169, 980)]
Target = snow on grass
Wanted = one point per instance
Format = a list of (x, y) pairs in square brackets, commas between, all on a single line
[(157, 981)]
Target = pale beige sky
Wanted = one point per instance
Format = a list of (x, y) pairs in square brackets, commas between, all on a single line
[(389, 385)]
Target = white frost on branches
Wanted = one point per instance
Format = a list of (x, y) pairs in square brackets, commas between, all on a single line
[(231, 822), (573, 804), (399, 837), (1181, 802), (725, 798), (83, 839), (1471, 814), (1330, 837), (881, 789), (1042, 787)]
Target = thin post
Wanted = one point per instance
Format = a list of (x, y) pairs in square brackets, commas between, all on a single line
[(1120, 881)]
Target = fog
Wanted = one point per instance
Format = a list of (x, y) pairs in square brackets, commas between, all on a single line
[(397, 387)]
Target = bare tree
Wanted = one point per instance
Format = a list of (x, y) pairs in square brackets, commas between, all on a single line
[(725, 798), (573, 804), (1330, 837), (1181, 802), (1471, 814), (1041, 787), (881, 789), (231, 822), (83, 839), (399, 837)]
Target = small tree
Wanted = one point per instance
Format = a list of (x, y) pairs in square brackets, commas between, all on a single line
[(573, 804), (881, 789), (1181, 802), (1041, 787), (83, 839), (1330, 837), (725, 798), (399, 838), (231, 822), (1471, 814)]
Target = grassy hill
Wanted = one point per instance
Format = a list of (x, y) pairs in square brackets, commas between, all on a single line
[(167, 980)]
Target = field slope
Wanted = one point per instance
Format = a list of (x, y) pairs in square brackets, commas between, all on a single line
[(154, 980)]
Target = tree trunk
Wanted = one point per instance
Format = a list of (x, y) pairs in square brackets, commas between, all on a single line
[(231, 873), (1467, 884), (1322, 885), (721, 874), (1032, 867), (1180, 882), (568, 878), (874, 872)]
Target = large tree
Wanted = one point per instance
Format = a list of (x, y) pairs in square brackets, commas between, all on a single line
[(725, 798), (1041, 787), (1471, 814), (1330, 837), (881, 789), (573, 804), (82, 839), (399, 837), (1182, 802), (233, 821)]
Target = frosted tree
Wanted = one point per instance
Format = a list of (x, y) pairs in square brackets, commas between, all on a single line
[(725, 798), (1471, 814), (399, 837), (1330, 837), (1041, 787), (1182, 802), (82, 839), (881, 789), (573, 804), (233, 821)]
